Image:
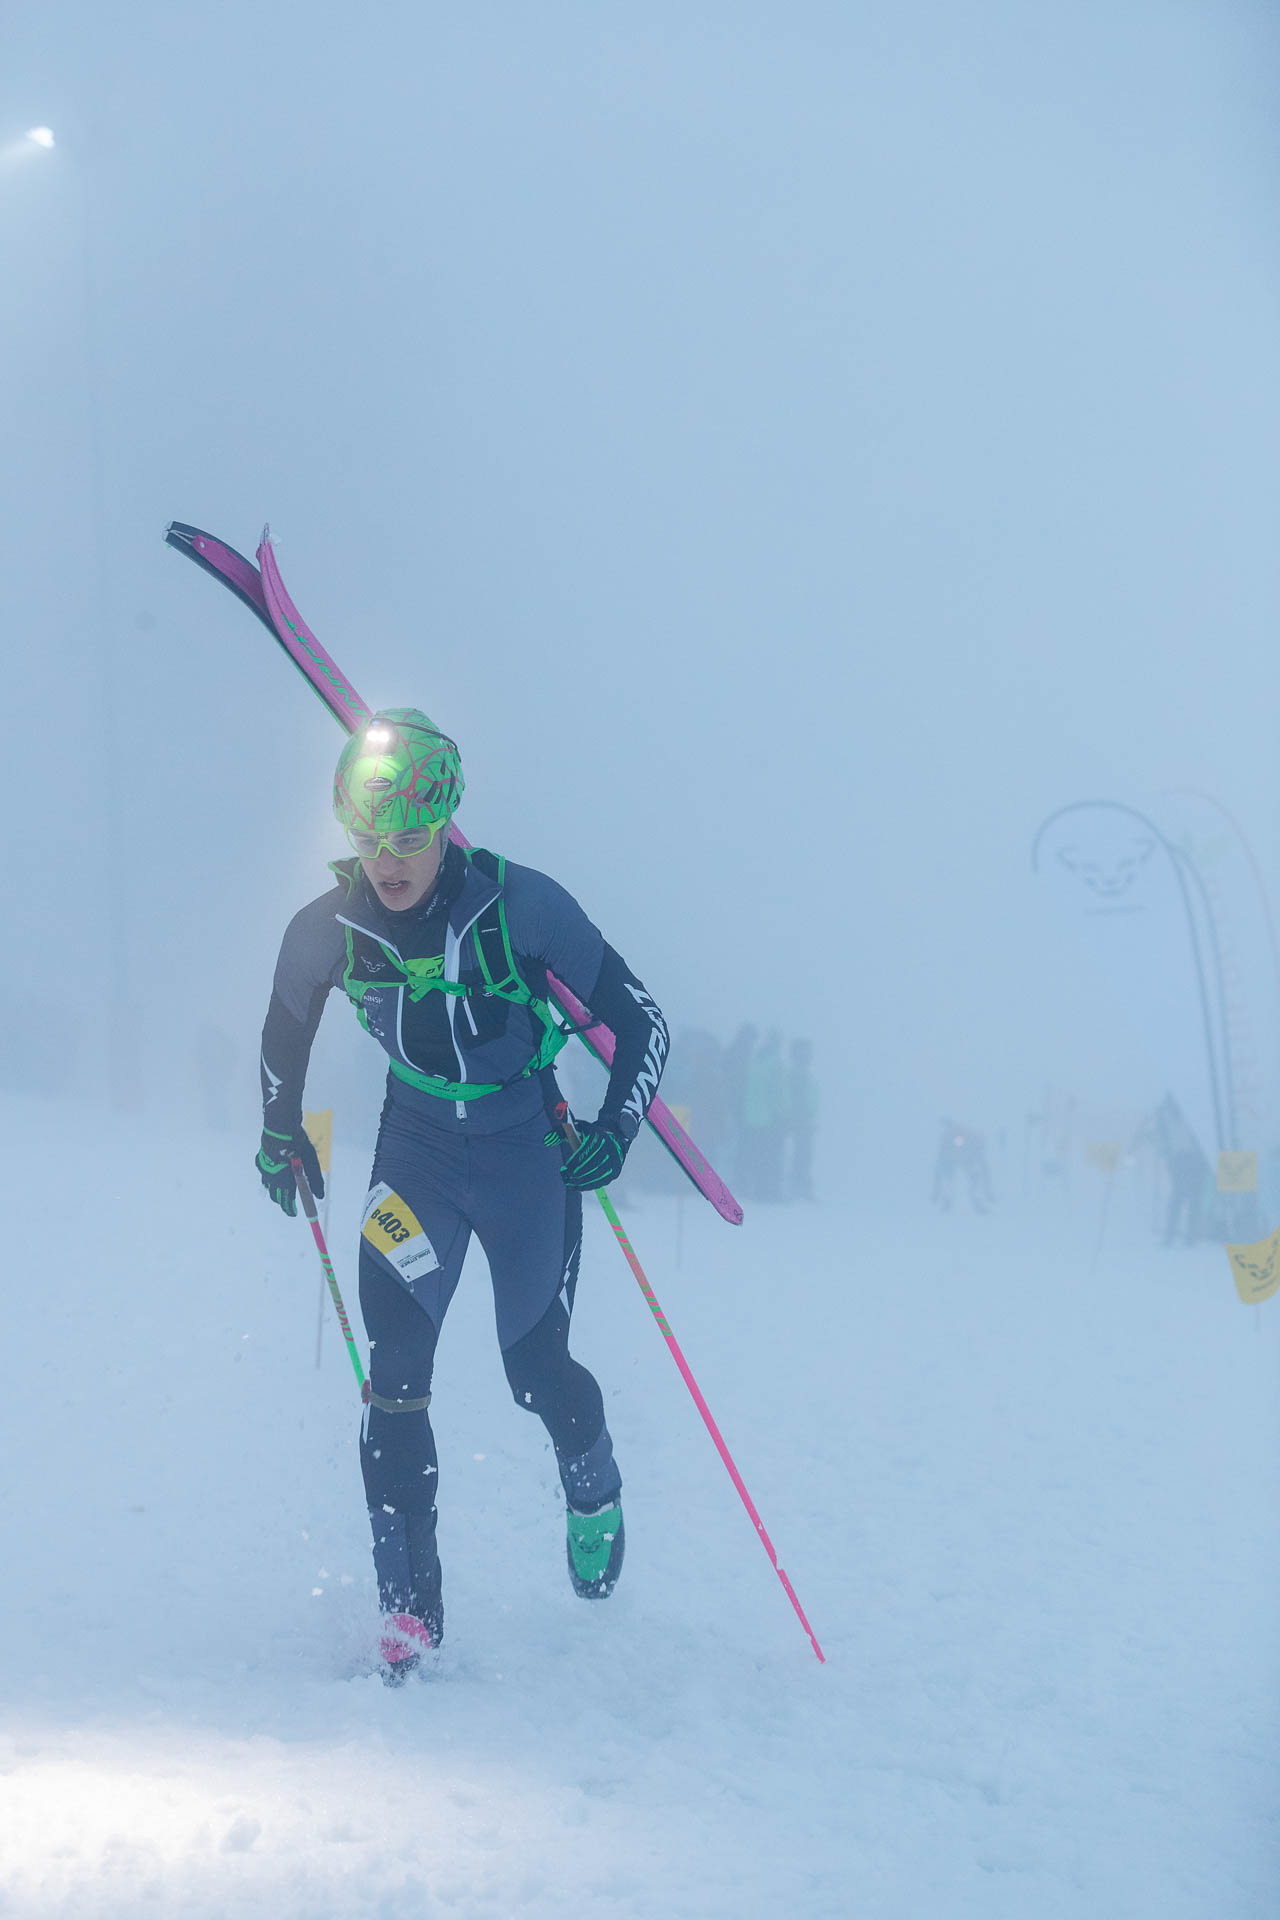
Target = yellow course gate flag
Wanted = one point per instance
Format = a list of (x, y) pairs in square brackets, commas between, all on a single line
[(319, 1128), (1105, 1155), (1237, 1173), (1256, 1268)]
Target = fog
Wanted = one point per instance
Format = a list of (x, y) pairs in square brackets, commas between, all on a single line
[(793, 450), (792, 454)]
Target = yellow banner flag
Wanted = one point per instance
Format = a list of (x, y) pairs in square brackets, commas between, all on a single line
[(1256, 1268), (1105, 1155), (1237, 1173), (319, 1128)]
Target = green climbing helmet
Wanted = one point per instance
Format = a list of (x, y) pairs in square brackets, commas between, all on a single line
[(398, 781)]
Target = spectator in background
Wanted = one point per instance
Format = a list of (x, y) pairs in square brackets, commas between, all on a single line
[(1188, 1172), (961, 1150), (765, 1120), (703, 1060), (737, 1063), (802, 1113)]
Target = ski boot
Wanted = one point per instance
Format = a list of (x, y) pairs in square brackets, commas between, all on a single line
[(594, 1548), (408, 1569), (403, 1643)]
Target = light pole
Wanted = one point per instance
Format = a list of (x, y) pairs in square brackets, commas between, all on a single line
[(121, 1062)]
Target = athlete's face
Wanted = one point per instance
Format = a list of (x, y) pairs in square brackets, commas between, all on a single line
[(401, 881)]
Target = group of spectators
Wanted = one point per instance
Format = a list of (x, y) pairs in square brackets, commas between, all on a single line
[(751, 1105)]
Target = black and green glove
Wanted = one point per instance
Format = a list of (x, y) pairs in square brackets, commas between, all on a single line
[(273, 1163), (597, 1159)]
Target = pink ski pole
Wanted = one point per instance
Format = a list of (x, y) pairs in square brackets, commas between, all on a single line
[(610, 1214), (309, 1208)]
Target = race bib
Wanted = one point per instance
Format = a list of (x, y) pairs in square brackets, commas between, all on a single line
[(394, 1229)]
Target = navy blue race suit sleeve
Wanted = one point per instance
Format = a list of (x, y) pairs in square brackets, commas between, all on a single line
[(310, 963), (549, 928), (286, 1051), (621, 1002)]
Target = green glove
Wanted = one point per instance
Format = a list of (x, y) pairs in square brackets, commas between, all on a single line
[(274, 1156), (597, 1159)]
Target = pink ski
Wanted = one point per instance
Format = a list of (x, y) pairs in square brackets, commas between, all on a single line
[(298, 641)]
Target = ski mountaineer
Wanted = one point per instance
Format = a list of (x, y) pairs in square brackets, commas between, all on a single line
[(444, 954)]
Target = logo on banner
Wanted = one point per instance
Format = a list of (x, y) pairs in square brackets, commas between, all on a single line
[(1237, 1173), (1110, 872), (1256, 1268)]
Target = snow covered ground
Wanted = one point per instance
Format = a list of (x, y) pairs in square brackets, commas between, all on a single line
[(1031, 1512)]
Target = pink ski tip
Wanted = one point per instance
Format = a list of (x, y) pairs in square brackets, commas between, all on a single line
[(404, 1637)]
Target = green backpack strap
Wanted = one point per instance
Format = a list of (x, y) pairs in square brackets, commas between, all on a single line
[(502, 977), (492, 937), (417, 977), (498, 969)]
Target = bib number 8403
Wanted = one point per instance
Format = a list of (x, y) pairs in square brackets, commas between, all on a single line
[(392, 1225), (393, 1229)]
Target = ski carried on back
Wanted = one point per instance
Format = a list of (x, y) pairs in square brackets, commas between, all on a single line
[(263, 591)]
